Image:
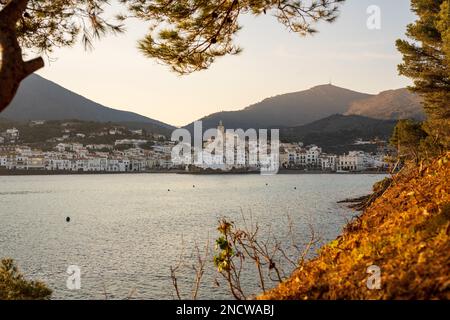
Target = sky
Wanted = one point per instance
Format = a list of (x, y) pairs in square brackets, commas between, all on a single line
[(274, 61)]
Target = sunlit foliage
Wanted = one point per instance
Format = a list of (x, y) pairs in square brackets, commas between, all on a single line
[(13, 285), (189, 35), (426, 60), (405, 232)]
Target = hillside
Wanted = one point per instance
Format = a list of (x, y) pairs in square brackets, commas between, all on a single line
[(41, 99), (48, 135), (337, 133), (405, 232), (390, 105), (303, 107), (287, 110)]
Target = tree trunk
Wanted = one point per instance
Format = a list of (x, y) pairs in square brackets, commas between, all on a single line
[(12, 67)]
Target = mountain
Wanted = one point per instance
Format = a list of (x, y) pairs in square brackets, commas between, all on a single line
[(41, 99), (337, 133), (287, 110), (391, 104)]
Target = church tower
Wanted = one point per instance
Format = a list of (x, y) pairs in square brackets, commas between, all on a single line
[(221, 129), (223, 142)]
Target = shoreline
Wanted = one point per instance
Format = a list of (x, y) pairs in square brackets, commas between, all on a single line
[(5, 172)]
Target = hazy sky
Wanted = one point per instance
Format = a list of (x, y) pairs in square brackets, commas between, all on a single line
[(274, 61)]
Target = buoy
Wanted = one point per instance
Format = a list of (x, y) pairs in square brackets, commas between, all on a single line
[(68, 219), (295, 188), (168, 190), (193, 186)]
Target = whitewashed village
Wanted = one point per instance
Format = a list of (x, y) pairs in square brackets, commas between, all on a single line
[(145, 152)]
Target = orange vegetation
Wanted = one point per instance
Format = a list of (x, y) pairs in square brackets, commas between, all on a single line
[(405, 232)]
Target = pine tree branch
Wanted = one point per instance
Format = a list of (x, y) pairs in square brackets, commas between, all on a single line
[(32, 66)]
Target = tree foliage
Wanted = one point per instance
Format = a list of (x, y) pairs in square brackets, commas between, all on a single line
[(42, 25), (13, 286), (189, 35), (46, 24), (426, 60), (407, 138)]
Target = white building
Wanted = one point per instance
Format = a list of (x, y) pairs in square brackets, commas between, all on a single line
[(375, 161), (353, 161), (16, 162), (116, 165), (36, 163), (37, 122), (139, 132), (165, 163), (96, 164), (25, 151), (134, 152), (293, 157), (137, 165), (12, 135), (3, 161), (77, 148), (312, 156), (296, 155), (59, 164), (360, 141), (328, 162), (152, 163), (164, 149), (115, 131), (133, 142), (99, 146)]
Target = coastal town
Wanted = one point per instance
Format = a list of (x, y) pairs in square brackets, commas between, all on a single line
[(141, 151)]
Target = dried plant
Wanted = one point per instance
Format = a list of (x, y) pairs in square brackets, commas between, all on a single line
[(198, 267), (244, 250)]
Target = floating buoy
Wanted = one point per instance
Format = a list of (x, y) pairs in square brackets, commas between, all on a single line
[(68, 219), (193, 186), (295, 188)]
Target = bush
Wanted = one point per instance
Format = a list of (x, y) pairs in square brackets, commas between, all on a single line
[(13, 285)]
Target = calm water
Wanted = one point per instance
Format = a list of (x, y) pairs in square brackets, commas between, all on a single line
[(127, 230)]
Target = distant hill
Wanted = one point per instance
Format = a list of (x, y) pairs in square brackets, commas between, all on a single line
[(391, 104), (303, 107), (287, 110), (337, 133), (41, 99)]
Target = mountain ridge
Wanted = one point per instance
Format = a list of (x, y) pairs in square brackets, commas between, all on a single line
[(287, 110), (302, 107), (390, 104), (42, 99)]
